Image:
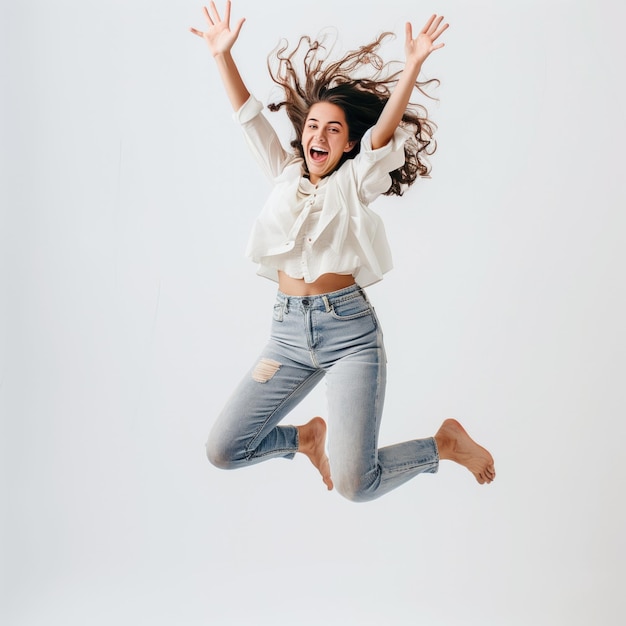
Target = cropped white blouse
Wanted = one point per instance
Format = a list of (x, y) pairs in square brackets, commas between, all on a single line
[(308, 230)]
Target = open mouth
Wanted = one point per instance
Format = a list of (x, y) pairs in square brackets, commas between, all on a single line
[(318, 155)]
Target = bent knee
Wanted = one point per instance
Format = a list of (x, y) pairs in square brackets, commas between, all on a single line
[(356, 489), (220, 454)]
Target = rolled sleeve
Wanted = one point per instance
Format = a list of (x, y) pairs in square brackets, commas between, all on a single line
[(248, 111), (261, 138), (372, 167), (391, 155)]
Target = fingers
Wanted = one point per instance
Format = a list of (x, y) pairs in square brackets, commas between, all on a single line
[(428, 24), (218, 33), (213, 17), (238, 27), (409, 32), (424, 43), (440, 30), (433, 28), (436, 29), (215, 12), (207, 16)]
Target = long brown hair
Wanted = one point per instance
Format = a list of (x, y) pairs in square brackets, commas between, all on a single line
[(362, 98)]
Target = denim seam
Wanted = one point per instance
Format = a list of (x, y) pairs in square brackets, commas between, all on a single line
[(250, 453), (436, 449), (346, 298), (354, 291), (347, 318), (410, 466)]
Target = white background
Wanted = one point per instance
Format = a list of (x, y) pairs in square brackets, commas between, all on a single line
[(129, 313)]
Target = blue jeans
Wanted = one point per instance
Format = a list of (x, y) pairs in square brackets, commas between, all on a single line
[(336, 335)]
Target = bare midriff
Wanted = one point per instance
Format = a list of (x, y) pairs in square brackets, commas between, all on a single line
[(326, 283)]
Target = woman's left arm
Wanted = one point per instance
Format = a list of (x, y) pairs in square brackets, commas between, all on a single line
[(417, 51)]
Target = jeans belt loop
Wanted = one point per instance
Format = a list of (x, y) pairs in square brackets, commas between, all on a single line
[(326, 303)]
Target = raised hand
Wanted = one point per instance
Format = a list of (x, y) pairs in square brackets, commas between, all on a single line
[(219, 36), (418, 49)]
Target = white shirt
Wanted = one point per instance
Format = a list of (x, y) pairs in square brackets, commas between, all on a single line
[(308, 230)]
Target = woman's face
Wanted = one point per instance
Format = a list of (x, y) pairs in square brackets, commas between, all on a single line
[(324, 139)]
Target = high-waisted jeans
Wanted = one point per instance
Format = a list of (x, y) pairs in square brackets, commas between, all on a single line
[(336, 335)]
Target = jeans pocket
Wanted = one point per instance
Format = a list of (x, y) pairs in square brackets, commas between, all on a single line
[(351, 308)]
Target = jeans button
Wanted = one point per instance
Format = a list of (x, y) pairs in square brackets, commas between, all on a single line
[(305, 302)]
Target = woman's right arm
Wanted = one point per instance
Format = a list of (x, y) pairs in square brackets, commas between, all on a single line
[(259, 134), (220, 39)]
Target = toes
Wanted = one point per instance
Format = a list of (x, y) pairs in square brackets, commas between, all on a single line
[(486, 476), (328, 481)]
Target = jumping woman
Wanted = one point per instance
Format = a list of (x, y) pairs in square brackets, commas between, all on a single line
[(356, 138)]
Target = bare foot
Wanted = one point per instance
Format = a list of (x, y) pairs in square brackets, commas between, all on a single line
[(312, 442), (456, 445)]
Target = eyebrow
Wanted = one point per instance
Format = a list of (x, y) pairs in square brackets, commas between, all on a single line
[(313, 119)]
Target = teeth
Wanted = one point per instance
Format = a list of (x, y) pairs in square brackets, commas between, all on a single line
[(319, 150)]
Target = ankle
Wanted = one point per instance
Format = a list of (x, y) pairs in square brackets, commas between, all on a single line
[(304, 439), (445, 445)]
